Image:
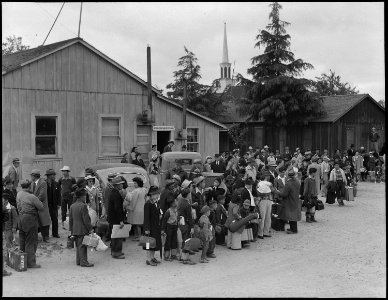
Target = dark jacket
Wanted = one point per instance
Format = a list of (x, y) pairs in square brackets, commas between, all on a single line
[(184, 210), (140, 163), (291, 204), (245, 194), (12, 199), (152, 222), (200, 199), (220, 168), (166, 198), (53, 195), (115, 212), (214, 193), (79, 219), (221, 215)]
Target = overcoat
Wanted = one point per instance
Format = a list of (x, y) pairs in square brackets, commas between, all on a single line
[(134, 204), (79, 219), (53, 195), (152, 223), (115, 211), (41, 193), (14, 175), (291, 204)]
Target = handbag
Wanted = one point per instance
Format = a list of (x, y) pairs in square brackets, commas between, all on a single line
[(147, 241), (319, 205)]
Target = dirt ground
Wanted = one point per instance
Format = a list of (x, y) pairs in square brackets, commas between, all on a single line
[(343, 255)]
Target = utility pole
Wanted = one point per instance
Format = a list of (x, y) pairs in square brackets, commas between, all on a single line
[(184, 129), (79, 24)]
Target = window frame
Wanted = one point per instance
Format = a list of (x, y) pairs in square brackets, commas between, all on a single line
[(58, 140), (121, 134), (198, 139)]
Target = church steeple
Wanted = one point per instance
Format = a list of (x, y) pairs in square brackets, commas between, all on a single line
[(225, 58)]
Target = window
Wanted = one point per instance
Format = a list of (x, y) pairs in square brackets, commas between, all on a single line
[(46, 135), (192, 139), (110, 133)]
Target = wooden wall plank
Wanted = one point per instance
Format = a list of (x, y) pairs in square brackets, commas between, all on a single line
[(72, 69), (6, 120), (48, 72), (65, 69)]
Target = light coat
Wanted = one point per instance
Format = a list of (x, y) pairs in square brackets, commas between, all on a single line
[(134, 204), (41, 193), (291, 204), (333, 176)]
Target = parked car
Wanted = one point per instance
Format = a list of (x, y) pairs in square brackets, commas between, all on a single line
[(170, 159), (128, 171)]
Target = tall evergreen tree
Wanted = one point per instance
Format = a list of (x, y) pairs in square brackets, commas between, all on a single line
[(331, 84), (201, 98), (275, 93)]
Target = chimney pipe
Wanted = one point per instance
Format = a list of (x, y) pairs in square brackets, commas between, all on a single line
[(149, 86)]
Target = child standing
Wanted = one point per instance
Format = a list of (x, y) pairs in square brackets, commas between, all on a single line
[(205, 233), (169, 230), (10, 225)]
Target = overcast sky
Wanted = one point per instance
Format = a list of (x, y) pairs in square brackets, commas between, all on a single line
[(345, 37)]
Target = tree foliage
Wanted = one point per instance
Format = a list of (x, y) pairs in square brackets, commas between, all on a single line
[(13, 44), (201, 98), (331, 84), (275, 93), (237, 133)]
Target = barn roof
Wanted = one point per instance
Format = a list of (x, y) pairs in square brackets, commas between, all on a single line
[(19, 59)]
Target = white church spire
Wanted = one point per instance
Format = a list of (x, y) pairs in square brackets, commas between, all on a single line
[(225, 58)]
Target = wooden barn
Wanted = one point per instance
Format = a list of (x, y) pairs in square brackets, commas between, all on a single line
[(348, 120), (69, 104)]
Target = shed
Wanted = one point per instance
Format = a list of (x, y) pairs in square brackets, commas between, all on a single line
[(67, 103)]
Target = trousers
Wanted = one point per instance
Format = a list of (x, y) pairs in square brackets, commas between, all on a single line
[(293, 226), (212, 243), (205, 248), (171, 238), (28, 237), (116, 246), (265, 209), (81, 257), (325, 178), (45, 231), (54, 220), (66, 203)]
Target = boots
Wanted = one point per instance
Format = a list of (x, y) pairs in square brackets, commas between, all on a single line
[(312, 217), (308, 220)]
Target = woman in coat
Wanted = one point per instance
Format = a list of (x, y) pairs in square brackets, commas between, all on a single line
[(139, 161), (94, 197), (152, 224), (134, 205), (153, 171), (291, 206)]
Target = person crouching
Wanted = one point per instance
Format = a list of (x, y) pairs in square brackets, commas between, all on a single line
[(80, 225), (206, 232)]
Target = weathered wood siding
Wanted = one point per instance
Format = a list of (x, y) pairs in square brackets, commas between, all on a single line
[(80, 85)]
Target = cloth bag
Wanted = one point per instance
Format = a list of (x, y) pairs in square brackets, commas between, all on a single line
[(101, 246)]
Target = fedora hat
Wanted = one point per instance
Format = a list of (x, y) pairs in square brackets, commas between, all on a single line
[(117, 180), (197, 161), (185, 184), (171, 141), (291, 173), (170, 182), (50, 172), (16, 160), (65, 168), (90, 177), (35, 172), (176, 177), (198, 180)]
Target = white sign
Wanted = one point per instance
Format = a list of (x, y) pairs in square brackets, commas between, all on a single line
[(163, 128)]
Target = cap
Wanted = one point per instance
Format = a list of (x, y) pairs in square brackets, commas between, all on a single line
[(65, 168), (211, 202), (266, 147), (170, 182), (291, 173), (90, 177), (50, 172), (116, 180), (16, 160), (205, 209), (250, 148), (325, 158), (185, 184), (112, 175), (198, 180), (247, 201), (25, 184), (153, 190), (176, 177), (35, 172), (171, 141)]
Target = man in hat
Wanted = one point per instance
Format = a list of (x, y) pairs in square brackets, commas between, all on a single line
[(116, 216), (168, 195), (197, 165), (374, 139), (249, 192), (39, 189), (28, 207), (13, 174), (198, 195), (291, 206), (168, 147), (53, 199), (65, 184), (218, 166)]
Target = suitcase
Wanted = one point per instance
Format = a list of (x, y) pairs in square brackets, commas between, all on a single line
[(276, 223), (90, 240), (349, 193), (17, 259)]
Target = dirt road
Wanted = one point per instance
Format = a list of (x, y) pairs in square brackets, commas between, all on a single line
[(343, 255)]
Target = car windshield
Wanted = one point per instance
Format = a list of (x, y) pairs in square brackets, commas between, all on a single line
[(186, 163)]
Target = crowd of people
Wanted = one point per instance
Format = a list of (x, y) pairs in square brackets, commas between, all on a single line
[(256, 190)]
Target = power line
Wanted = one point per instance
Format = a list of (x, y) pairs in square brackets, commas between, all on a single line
[(53, 23), (47, 12)]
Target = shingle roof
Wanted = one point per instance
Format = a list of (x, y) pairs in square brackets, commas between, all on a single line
[(13, 61)]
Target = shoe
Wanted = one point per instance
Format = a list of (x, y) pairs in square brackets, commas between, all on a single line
[(202, 260), (211, 255), (254, 240), (168, 259), (191, 252), (46, 240), (56, 236), (188, 262), (312, 218), (119, 257), (267, 235), (88, 265), (290, 231), (260, 237), (156, 261), (174, 257), (36, 266), (6, 273), (151, 263)]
